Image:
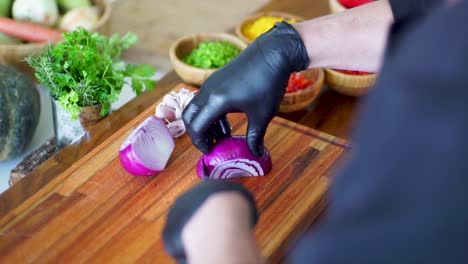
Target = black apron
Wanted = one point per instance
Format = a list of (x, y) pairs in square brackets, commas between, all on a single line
[(403, 198)]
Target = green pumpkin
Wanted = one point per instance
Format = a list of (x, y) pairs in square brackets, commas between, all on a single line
[(20, 107)]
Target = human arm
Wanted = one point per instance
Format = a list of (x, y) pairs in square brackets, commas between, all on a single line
[(223, 224), (402, 197), (255, 81), (212, 223), (354, 39)]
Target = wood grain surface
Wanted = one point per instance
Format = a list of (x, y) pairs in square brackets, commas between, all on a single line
[(96, 212), (331, 113)]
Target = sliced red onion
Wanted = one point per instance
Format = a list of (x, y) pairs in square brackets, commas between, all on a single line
[(232, 158), (147, 149)]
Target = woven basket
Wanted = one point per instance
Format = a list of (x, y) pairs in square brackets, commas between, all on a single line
[(239, 27), (14, 54), (348, 84), (299, 100)]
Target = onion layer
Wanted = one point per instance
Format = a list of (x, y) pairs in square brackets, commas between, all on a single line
[(147, 149), (232, 158)]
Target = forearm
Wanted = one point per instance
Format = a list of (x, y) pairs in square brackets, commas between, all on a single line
[(237, 249), (354, 39), (219, 233)]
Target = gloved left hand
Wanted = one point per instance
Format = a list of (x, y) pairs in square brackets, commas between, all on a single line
[(185, 207)]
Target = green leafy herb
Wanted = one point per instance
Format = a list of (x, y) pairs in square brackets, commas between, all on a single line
[(212, 54), (86, 69)]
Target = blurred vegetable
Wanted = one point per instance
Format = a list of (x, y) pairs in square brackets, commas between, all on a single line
[(5, 39), (5, 6), (27, 31), (86, 69), (67, 5), (85, 17), (43, 12), (20, 106), (212, 54)]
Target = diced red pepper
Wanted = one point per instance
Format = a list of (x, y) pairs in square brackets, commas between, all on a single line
[(297, 82), (354, 3)]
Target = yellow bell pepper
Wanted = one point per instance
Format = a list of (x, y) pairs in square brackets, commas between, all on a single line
[(261, 25)]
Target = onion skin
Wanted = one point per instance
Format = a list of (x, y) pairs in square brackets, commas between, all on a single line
[(176, 128), (233, 150), (171, 108)]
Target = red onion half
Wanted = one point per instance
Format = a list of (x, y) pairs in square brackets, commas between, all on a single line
[(147, 149), (232, 158)]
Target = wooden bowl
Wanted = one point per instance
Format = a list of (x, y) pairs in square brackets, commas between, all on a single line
[(183, 46), (239, 27), (14, 54), (349, 84), (336, 6), (298, 100)]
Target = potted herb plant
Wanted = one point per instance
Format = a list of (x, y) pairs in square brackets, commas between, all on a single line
[(84, 74)]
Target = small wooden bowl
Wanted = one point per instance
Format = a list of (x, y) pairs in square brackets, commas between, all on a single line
[(239, 27), (183, 46), (298, 100), (336, 6), (14, 54), (349, 84)]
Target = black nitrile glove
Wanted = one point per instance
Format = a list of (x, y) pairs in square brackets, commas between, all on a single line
[(185, 207), (253, 83)]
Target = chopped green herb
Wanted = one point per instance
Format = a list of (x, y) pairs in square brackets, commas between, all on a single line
[(212, 54)]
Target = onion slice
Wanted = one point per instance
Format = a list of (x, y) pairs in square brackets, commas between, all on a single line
[(147, 149), (232, 158)]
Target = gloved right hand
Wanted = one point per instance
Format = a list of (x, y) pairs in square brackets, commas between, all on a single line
[(254, 83)]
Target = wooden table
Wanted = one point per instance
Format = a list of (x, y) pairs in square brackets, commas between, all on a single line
[(96, 212), (331, 114)]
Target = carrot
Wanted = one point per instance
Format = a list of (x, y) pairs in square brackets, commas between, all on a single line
[(29, 32)]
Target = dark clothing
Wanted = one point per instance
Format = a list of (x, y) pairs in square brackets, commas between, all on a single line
[(404, 196), (404, 9)]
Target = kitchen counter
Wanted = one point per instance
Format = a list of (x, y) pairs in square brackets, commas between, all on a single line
[(332, 113)]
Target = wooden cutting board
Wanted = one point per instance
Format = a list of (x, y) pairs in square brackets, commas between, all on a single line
[(96, 212)]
